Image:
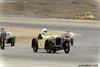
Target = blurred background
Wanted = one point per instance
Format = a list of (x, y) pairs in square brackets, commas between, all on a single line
[(68, 9)]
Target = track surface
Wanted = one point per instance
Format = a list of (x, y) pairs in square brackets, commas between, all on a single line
[(86, 49)]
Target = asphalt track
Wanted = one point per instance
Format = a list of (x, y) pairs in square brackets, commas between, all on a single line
[(86, 49)]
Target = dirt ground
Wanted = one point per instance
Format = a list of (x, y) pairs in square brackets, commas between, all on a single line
[(49, 8)]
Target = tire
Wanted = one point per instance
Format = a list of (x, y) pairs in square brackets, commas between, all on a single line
[(12, 43), (49, 47), (35, 45), (3, 45), (72, 41), (54, 50), (66, 47)]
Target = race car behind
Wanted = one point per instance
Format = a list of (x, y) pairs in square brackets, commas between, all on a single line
[(9, 39)]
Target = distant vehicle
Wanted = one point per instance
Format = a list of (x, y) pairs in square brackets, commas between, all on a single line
[(51, 43), (10, 38), (86, 16)]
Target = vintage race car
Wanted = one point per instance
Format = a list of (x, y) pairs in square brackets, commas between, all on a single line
[(10, 38), (51, 43), (86, 16)]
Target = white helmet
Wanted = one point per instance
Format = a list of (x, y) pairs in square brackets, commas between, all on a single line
[(44, 31), (2, 29)]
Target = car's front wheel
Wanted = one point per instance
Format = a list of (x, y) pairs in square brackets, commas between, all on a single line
[(49, 46), (66, 47), (54, 50)]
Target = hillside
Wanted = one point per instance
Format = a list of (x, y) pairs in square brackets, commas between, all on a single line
[(48, 8)]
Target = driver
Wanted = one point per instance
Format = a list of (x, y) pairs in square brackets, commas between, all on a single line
[(66, 35), (3, 32), (44, 32)]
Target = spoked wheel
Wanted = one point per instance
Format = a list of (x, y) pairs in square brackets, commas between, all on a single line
[(2, 40), (54, 50), (35, 48), (35, 45), (49, 47), (66, 47), (3, 45), (72, 41), (12, 43)]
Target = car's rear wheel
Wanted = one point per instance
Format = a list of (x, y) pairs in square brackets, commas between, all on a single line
[(72, 41), (66, 47), (35, 45), (12, 43)]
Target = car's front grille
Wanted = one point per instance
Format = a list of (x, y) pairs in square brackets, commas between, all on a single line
[(58, 41)]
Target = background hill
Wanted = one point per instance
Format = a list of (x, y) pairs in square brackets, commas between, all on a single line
[(49, 8)]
